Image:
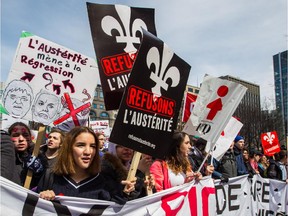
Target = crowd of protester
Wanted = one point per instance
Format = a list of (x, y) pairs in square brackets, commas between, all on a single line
[(76, 163), (250, 161)]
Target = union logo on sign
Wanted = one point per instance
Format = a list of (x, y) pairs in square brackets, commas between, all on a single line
[(110, 24), (160, 72), (269, 137)]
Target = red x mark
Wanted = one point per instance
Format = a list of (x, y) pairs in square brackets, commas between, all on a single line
[(73, 111)]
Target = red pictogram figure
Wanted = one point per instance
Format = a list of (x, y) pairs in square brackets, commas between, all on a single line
[(73, 111), (216, 105)]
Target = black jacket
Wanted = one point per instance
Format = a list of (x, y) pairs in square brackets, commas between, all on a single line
[(8, 165), (92, 188), (114, 172), (21, 159), (196, 158), (274, 170), (226, 167)]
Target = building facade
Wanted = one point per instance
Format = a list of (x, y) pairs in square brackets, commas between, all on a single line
[(280, 83), (98, 110), (192, 89), (249, 112)]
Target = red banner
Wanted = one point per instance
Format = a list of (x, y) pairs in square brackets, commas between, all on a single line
[(188, 106), (270, 143)]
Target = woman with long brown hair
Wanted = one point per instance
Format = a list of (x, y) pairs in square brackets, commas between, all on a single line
[(77, 170), (175, 169)]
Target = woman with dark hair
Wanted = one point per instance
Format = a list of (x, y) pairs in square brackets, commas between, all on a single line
[(254, 157), (21, 137), (263, 164), (175, 169), (77, 169), (21, 132)]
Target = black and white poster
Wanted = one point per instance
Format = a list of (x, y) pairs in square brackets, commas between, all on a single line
[(150, 106), (117, 33)]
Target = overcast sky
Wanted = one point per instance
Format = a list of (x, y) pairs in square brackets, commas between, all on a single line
[(223, 37)]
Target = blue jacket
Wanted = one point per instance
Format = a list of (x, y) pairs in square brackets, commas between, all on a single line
[(241, 167)]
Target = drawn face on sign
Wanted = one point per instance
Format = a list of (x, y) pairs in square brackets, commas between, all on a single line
[(82, 116), (45, 108), (17, 98)]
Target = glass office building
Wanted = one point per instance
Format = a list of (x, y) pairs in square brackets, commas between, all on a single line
[(280, 82)]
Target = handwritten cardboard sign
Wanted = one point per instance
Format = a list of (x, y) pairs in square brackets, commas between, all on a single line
[(42, 73)]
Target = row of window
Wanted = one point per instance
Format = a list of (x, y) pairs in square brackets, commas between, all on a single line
[(100, 93), (98, 106), (193, 90), (102, 114)]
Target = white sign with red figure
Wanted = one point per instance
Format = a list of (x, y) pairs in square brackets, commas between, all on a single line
[(49, 83), (270, 143), (226, 138), (215, 104)]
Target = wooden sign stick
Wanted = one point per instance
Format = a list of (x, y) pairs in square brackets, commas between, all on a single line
[(41, 133), (133, 166)]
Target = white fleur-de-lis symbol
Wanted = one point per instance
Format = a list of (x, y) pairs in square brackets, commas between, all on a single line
[(109, 24), (269, 137), (160, 73)]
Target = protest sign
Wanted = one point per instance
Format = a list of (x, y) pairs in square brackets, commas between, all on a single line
[(8, 120), (116, 32), (240, 196), (270, 143), (189, 103), (226, 138), (188, 199), (101, 126), (150, 106), (45, 83), (256, 196), (234, 197), (268, 196), (215, 104)]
